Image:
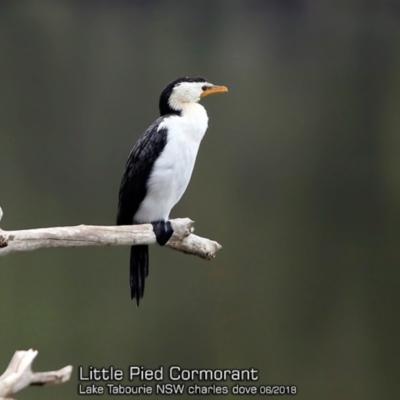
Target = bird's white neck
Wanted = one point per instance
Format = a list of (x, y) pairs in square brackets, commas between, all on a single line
[(192, 110), (191, 125), (194, 115)]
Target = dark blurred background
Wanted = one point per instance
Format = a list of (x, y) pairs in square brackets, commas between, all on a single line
[(297, 177)]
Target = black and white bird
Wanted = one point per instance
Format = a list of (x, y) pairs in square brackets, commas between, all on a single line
[(160, 165)]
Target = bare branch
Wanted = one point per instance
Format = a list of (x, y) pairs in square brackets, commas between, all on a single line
[(92, 235), (19, 375)]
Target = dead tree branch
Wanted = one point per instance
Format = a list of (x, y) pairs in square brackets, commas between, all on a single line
[(19, 375), (182, 239)]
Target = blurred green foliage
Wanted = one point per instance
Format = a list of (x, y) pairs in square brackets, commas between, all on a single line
[(298, 178)]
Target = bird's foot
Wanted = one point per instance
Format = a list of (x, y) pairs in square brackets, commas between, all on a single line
[(163, 231)]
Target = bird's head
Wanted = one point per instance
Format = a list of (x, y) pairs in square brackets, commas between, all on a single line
[(186, 90)]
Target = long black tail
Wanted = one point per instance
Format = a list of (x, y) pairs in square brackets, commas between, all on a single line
[(139, 269)]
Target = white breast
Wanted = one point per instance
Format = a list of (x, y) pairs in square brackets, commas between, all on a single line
[(172, 170)]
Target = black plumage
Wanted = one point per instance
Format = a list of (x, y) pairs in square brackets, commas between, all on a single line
[(132, 192)]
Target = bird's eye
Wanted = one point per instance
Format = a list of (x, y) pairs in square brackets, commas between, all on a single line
[(205, 87)]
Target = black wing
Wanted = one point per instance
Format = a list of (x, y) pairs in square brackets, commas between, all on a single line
[(137, 171), (133, 191)]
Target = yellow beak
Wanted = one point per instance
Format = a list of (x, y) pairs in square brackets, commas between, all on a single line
[(213, 90)]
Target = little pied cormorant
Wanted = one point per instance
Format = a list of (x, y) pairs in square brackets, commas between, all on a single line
[(160, 165)]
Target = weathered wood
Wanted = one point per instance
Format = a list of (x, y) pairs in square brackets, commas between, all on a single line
[(182, 239), (19, 375)]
